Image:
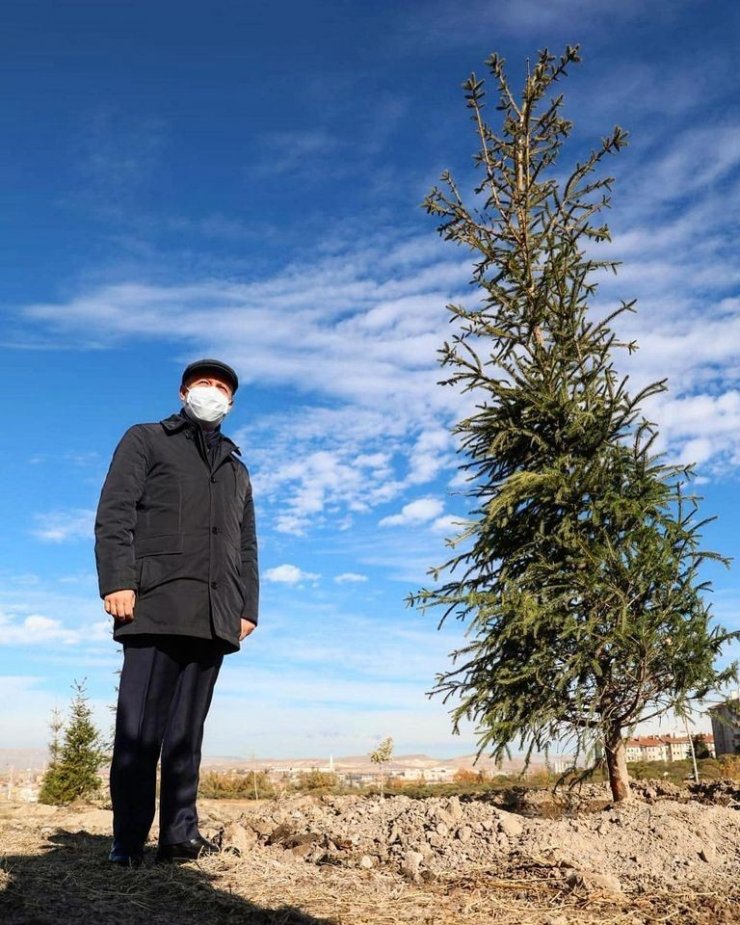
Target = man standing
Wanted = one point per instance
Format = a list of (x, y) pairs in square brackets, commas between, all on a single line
[(177, 567)]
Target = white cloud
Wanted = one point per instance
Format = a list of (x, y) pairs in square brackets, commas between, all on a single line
[(430, 454), (415, 512), (316, 462), (78, 620), (449, 524), (61, 526), (35, 630), (289, 575), (332, 328), (323, 477), (349, 338), (354, 334)]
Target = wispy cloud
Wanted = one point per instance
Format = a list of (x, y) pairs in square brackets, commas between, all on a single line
[(376, 672), (523, 17), (215, 225), (342, 327), (544, 23), (375, 678), (359, 331), (75, 611), (289, 575), (420, 511), (63, 526), (299, 152), (35, 629), (354, 335), (350, 578), (449, 524)]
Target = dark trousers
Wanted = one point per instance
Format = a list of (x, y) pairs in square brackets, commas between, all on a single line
[(163, 699)]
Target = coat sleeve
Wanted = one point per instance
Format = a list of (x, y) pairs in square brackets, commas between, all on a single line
[(250, 570), (115, 521)]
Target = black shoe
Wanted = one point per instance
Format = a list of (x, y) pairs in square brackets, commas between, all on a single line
[(189, 850), (123, 857)]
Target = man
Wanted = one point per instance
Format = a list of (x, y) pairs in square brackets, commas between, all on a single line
[(177, 567)]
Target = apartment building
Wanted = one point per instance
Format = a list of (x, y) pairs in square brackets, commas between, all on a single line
[(663, 748), (726, 725)]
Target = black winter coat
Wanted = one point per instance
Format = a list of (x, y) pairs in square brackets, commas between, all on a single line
[(177, 527)]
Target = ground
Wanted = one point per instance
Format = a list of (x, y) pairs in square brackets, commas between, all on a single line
[(516, 858)]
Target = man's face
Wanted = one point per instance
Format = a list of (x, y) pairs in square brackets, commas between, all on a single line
[(212, 379)]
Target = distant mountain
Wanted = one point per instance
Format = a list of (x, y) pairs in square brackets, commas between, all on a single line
[(362, 762), (23, 758), (38, 758)]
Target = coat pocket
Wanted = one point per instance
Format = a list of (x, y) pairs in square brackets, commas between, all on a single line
[(163, 544), (157, 559)]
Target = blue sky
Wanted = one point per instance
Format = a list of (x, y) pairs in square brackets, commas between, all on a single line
[(243, 180)]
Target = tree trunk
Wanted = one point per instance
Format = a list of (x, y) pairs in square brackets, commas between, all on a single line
[(616, 764)]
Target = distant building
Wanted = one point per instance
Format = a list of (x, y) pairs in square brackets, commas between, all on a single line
[(434, 774), (663, 748), (561, 764), (726, 725)]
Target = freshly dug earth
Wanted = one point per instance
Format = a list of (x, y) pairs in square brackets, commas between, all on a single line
[(638, 847), (671, 856)]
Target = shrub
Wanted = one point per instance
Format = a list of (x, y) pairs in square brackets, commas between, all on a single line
[(464, 776), (240, 785), (729, 767), (315, 780)]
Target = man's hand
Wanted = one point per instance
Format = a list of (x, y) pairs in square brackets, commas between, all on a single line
[(247, 628), (120, 604)]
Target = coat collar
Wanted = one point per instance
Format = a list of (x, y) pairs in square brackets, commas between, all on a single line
[(181, 421)]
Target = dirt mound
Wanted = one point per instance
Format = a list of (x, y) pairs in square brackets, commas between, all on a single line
[(366, 861), (662, 844), (719, 792)]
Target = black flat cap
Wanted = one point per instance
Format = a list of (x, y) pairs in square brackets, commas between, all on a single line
[(215, 368)]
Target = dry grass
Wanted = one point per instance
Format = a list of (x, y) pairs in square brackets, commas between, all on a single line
[(53, 876)]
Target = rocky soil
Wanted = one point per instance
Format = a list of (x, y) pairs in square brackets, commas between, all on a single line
[(666, 839), (518, 857)]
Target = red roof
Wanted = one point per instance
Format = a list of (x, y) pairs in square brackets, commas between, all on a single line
[(657, 741)]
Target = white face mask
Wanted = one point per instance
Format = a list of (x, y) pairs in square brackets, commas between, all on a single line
[(207, 403)]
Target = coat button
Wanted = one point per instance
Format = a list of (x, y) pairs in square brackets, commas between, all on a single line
[(214, 585), (213, 478), (214, 529)]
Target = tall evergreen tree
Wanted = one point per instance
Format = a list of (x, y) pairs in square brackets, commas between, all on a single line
[(73, 767), (579, 569)]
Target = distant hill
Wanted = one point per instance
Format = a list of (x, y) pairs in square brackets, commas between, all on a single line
[(38, 758), (362, 762), (23, 758)]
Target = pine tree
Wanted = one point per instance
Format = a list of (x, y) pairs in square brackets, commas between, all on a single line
[(578, 571), (73, 767)]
